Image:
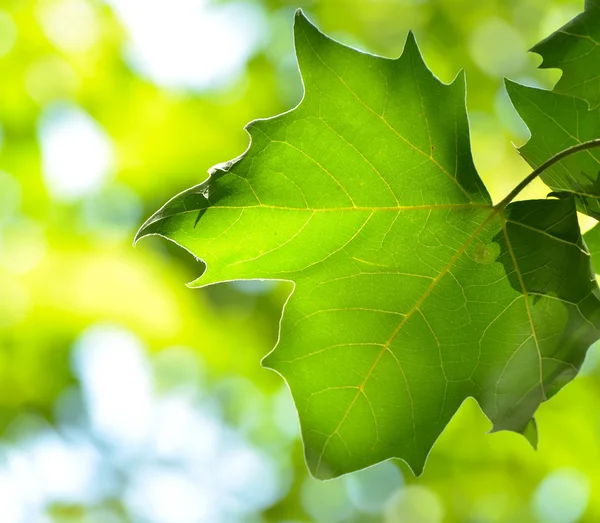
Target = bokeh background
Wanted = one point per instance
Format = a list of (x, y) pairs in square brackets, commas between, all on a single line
[(126, 397)]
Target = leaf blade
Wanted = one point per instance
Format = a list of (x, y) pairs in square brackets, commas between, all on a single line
[(557, 122), (575, 49), (411, 292)]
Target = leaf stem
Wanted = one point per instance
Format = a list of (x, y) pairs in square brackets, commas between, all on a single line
[(591, 144)]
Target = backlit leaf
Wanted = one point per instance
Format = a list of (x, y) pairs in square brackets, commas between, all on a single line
[(575, 48), (411, 291), (557, 122)]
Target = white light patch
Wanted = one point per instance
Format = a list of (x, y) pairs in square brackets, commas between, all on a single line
[(236, 472), (117, 387), (370, 489), (71, 25), (77, 155), (183, 433), (211, 473), (190, 44), (562, 497), (12, 504), (164, 495), (63, 471)]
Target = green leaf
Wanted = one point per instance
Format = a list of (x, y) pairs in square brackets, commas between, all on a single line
[(557, 122), (575, 48), (531, 433), (411, 291), (592, 240)]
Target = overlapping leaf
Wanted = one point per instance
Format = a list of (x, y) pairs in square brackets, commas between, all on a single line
[(412, 292), (562, 118), (557, 122), (575, 48), (592, 240)]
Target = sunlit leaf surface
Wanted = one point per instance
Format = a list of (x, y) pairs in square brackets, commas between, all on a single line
[(412, 292), (575, 48), (556, 122)]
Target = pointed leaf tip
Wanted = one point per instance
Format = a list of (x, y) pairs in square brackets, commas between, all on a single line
[(513, 88), (302, 23), (411, 47), (508, 85), (531, 433), (411, 39), (300, 16)]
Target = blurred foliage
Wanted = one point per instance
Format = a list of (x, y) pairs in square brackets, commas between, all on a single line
[(94, 136)]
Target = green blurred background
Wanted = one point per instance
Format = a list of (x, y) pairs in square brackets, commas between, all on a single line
[(125, 396)]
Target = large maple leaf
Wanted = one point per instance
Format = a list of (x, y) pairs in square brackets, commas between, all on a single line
[(412, 291)]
